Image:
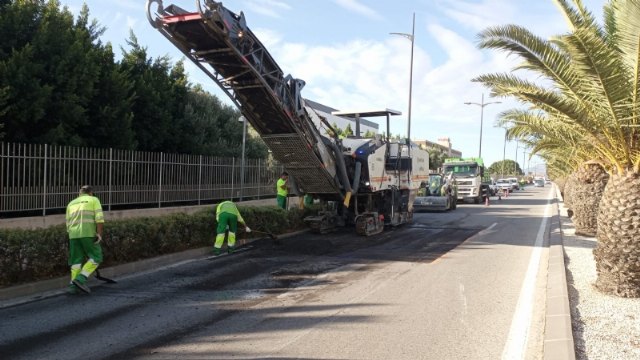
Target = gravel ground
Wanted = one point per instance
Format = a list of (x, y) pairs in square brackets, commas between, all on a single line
[(604, 327)]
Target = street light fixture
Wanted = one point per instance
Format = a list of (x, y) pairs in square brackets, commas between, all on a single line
[(244, 141), (411, 38), (482, 104)]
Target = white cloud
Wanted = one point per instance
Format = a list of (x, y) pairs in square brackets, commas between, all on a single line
[(479, 16), (271, 8), (369, 74), (359, 8), (128, 4), (269, 38), (131, 22)]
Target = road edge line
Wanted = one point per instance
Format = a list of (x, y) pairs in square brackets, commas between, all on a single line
[(518, 337)]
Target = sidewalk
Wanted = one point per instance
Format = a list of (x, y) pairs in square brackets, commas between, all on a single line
[(604, 326)]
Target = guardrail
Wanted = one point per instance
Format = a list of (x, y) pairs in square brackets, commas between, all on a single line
[(45, 177)]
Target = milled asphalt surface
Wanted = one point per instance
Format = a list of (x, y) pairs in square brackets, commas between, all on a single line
[(444, 287)]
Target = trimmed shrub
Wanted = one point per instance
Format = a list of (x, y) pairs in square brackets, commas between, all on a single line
[(29, 255)]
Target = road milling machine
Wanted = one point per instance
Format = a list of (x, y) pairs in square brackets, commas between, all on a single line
[(366, 182)]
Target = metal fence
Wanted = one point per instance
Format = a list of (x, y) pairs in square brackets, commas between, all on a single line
[(45, 177)]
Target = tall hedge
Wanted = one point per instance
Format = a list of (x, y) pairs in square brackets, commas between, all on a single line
[(30, 255)]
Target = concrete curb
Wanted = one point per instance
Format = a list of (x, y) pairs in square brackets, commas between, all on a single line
[(25, 293), (558, 333)]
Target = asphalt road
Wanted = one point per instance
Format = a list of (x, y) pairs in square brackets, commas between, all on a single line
[(467, 284)]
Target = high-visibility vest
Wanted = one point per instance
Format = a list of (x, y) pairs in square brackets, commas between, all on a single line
[(281, 191), (83, 213), (228, 207)]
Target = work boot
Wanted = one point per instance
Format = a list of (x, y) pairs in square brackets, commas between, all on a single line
[(72, 289), (216, 251), (230, 249), (81, 282)]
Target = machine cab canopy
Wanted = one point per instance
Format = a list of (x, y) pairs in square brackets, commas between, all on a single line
[(435, 183)]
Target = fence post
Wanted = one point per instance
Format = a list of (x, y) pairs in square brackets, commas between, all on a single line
[(110, 175), (233, 175), (44, 187), (199, 179), (160, 183), (259, 178)]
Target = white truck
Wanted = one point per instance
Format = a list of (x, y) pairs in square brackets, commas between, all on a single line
[(470, 180)]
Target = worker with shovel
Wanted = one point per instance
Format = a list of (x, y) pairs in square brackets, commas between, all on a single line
[(227, 217)]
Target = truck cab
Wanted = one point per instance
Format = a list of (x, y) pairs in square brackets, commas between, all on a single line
[(469, 174)]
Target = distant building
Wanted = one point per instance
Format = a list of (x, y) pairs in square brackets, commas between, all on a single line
[(341, 122), (443, 144)]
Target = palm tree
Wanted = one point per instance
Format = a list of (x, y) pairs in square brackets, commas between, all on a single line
[(594, 97)]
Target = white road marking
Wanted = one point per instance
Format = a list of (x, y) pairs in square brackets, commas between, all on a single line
[(516, 345), (485, 231)]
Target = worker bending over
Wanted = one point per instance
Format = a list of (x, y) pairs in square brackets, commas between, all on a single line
[(228, 217)]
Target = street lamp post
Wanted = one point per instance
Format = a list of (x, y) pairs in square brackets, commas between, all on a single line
[(524, 153), (411, 37), (517, 146), (244, 141), (482, 104), (504, 151)]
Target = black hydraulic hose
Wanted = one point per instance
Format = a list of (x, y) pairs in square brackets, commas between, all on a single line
[(356, 177), (342, 168)]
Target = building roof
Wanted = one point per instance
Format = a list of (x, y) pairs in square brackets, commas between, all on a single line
[(367, 113), (329, 110), (451, 151)]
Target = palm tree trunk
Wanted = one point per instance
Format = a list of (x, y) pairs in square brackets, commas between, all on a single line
[(560, 183), (587, 190), (568, 193), (617, 253)]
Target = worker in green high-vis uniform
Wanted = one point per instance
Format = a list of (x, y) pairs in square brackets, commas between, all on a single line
[(227, 217), (282, 190), (85, 222)]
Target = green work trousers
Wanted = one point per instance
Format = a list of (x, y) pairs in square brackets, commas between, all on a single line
[(230, 221)]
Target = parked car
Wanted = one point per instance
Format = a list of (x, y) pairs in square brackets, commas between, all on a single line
[(504, 185), (514, 183), (493, 188)]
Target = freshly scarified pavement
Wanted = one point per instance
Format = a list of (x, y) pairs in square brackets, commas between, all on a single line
[(132, 318)]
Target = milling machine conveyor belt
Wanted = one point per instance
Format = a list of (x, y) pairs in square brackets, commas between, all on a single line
[(301, 164), (219, 42)]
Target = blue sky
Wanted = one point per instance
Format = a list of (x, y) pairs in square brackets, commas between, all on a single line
[(343, 50)]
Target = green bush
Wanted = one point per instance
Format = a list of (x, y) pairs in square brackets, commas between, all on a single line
[(29, 255)]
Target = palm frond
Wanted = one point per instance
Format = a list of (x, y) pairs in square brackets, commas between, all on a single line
[(577, 16), (626, 15)]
